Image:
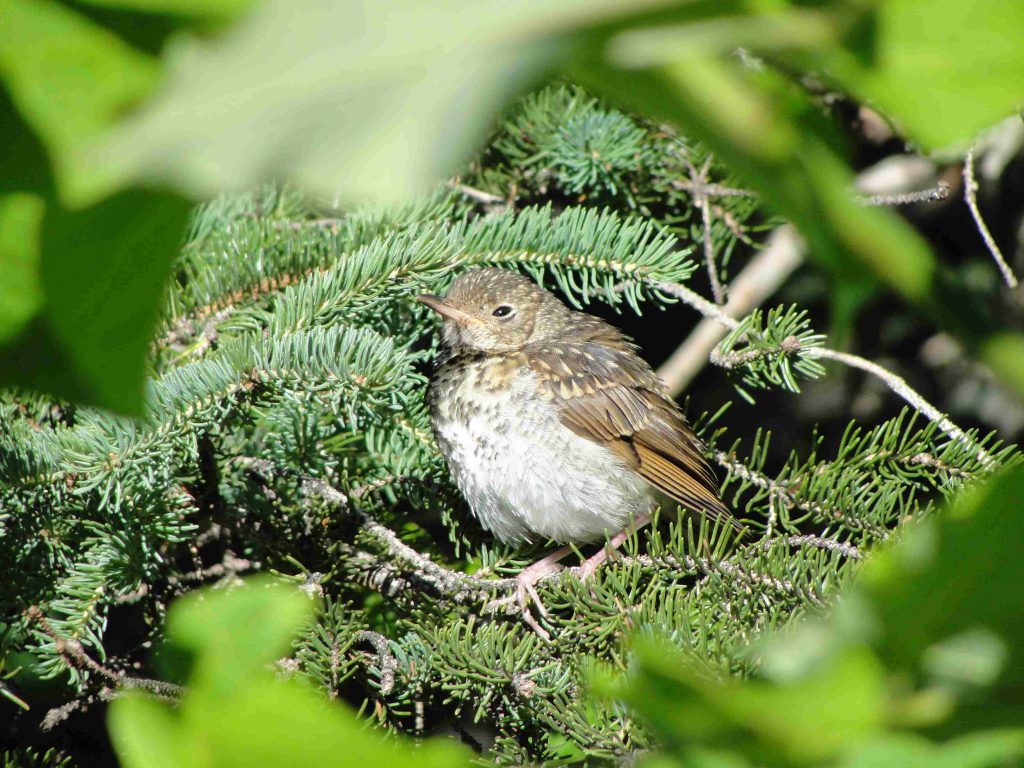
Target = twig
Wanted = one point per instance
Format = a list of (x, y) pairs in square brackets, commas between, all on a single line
[(970, 196), (386, 660), (939, 192), (457, 587), (463, 589), (759, 279), (229, 567), (784, 496), (74, 655), (819, 542), (699, 195), (896, 383), (477, 194), (729, 360), (900, 386), (712, 190)]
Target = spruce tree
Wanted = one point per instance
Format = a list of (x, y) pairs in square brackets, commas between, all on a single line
[(285, 431)]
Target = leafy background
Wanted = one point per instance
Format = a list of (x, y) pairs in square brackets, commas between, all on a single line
[(355, 105)]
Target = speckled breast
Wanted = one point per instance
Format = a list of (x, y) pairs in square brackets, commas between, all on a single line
[(524, 474)]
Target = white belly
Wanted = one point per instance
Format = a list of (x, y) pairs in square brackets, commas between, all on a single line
[(527, 477)]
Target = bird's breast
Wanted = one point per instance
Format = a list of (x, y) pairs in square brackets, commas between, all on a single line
[(525, 475)]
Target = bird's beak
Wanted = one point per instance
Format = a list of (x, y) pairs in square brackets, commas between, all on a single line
[(439, 305)]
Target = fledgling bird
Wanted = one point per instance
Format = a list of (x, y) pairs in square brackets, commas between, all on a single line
[(553, 426)]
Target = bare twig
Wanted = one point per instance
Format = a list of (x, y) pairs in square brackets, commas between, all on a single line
[(900, 386), (759, 279), (939, 192), (385, 659), (226, 570), (74, 655), (477, 194), (970, 196), (711, 190), (895, 383), (699, 195)]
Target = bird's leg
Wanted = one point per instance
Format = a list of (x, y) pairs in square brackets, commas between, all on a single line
[(591, 564), (526, 589)]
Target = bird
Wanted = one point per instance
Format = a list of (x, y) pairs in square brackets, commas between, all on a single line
[(554, 427)]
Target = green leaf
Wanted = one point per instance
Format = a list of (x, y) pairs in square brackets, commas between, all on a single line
[(990, 749), (235, 713), (761, 126), (944, 69), (21, 217), (71, 79), (799, 723), (234, 634), (101, 274), (956, 574), (215, 9), (357, 101)]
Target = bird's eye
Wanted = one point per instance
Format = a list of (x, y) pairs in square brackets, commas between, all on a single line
[(503, 311)]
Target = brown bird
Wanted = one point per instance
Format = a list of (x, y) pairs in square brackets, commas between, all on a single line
[(554, 427)]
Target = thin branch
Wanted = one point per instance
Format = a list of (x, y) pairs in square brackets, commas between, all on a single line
[(461, 588), (729, 360), (386, 660), (768, 269), (970, 196), (939, 192), (712, 190), (477, 194), (900, 386), (458, 587), (818, 542), (699, 195), (784, 496), (896, 383), (74, 655)]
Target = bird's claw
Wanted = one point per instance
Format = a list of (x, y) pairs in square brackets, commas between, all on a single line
[(526, 591), (524, 594)]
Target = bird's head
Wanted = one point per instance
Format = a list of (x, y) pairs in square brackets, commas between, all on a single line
[(497, 310)]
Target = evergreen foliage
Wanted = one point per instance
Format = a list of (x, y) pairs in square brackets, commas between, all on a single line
[(285, 430)]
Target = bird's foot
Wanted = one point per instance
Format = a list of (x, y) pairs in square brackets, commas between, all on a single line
[(526, 593)]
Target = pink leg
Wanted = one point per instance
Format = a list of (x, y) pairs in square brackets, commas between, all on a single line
[(526, 587), (591, 564)]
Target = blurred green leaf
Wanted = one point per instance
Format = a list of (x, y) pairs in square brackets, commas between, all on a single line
[(21, 216), (357, 101), (217, 9), (990, 749), (955, 574), (767, 130), (101, 273), (802, 723), (944, 69), (235, 713), (70, 78), (931, 627)]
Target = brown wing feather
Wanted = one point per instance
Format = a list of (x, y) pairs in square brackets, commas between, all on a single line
[(608, 394)]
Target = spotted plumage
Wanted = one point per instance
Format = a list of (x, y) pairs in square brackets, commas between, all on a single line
[(552, 424)]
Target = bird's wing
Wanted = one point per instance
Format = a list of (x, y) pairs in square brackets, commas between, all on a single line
[(607, 394)]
